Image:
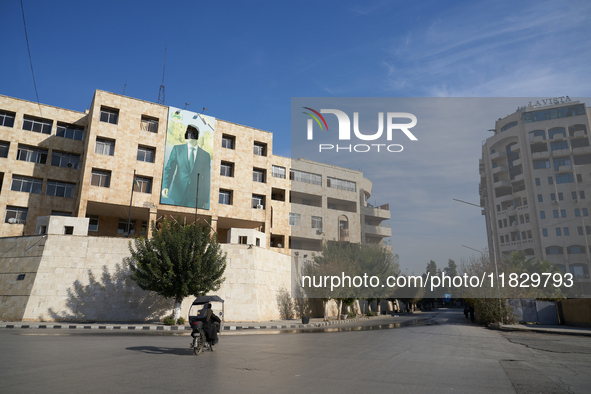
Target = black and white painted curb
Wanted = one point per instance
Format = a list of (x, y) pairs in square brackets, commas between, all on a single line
[(155, 327)]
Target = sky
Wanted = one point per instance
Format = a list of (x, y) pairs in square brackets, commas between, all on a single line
[(245, 61)]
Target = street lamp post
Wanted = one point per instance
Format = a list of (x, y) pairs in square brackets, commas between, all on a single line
[(494, 255)]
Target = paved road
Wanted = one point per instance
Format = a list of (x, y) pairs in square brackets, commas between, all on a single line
[(450, 356)]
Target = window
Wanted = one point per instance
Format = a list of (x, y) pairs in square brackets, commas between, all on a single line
[(559, 145), (60, 189), (149, 124), (123, 228), (26, 184), (508, 126), (555, 113), (67, 160), (555, 213), (225, 197), (574, 195), (4, 147), (258, 242), (294, 219), (227, 169), (146, 154), (278, 172), (564, 178), (579, 178), (7, 119), (565, 231), (575, 249), (341, 184), (105, 147), (260, 149), (580, 230), (562, 213), (317, 222), (258, 175), (93, 223), (585, 212), (557, 131), (540, 198), (100, 178), (577, 212), (258, 202), (552, 197), (550, 181), (34, 155), (142, 184), (562, 163), (542, 215), (582, 195), (109, 115), (16, 215), (560, 197), (554, 250), (558, 231), (38, 125), (70, 131), (537, 181), (228, 141), (544, 232), (305, 177), (242, 239), (541, 164), (68, 230)]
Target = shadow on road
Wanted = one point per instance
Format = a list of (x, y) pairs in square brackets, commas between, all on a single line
[(161, 350)]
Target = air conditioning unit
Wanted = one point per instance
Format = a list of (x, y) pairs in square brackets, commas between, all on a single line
[(12, 220), (259, 206), (554, 202), (320, 231), (69, 165)]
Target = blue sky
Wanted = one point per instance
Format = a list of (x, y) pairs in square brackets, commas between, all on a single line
[(244, 61)]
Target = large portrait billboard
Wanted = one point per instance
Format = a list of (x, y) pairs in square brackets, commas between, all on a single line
[(186, 179)]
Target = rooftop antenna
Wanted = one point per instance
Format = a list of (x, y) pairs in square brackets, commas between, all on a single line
[(186, 105), (124, 86), (161, 92)]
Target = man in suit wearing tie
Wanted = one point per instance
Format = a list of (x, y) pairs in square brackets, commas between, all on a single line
[(179, 181)]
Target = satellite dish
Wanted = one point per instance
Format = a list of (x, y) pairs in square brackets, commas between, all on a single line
[(12, 220), (278, 245)]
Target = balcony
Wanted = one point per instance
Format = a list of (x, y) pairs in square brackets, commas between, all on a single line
[(537, 139), (380, 231), (541, 155), (581, 150), (376, 212), (564, 169), (517, 178), (498, 155), (560, 152), (499, 169), (579, 134), (502, 183)]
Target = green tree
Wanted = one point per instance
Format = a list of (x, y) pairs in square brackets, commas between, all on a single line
[(451, 269), (178, 261), (343, 258)]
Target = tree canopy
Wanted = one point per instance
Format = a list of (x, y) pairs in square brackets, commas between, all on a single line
[(178, 261)]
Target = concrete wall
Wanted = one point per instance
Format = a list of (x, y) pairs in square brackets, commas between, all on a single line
[(577, 312), (80, 278)]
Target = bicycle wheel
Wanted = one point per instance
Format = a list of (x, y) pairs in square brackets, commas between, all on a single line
[(199, 342)]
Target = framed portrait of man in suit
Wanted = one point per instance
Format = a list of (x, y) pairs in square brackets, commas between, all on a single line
[(186, 179)]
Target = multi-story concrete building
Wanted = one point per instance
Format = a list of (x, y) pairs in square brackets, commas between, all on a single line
[(535, 185), (60, 162)]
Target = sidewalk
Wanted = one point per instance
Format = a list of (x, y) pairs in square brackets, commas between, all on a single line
[(562, 330), (228, 326)]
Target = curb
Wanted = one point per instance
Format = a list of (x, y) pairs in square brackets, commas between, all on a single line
[(136, 327), (543, 331)]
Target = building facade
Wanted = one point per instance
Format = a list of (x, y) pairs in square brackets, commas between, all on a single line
[(58, 162), (535, 185)]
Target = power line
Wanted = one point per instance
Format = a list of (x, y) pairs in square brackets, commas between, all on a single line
[(30, 59)]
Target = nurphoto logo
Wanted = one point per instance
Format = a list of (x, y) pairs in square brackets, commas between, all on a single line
[(344, 130)]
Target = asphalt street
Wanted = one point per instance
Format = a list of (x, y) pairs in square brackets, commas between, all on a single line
[(443, 353)]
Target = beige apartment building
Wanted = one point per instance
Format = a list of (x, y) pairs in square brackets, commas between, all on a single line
[(535, 185), (59, 162)]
